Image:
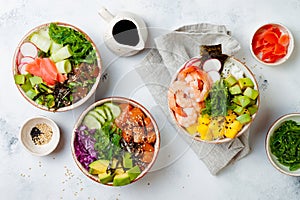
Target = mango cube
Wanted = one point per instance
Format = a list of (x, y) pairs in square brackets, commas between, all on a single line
[(192, 129)]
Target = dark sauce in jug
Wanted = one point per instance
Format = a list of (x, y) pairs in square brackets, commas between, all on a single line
[(125, 32)]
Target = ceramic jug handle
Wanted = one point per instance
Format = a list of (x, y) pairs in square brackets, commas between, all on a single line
[(105, 14)]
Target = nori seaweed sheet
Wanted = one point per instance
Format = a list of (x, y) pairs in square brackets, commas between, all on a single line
[(212, 51)]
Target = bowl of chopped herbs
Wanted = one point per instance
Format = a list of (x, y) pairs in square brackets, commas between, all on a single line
[(283, 144), (56, 67)]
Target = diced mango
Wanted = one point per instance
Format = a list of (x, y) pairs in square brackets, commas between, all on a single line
[(202, 129), (192, 129), (236, 125), (230, 118), (204, 119), (231, 133)]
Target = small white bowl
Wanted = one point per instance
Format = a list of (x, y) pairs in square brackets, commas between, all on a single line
[(289, 50), (26, 139), (271, 157)]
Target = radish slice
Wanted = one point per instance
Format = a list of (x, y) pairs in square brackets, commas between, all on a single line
[(192, 62), (22, 68), (215, 76), (212, 65), (19, 57), (29, 49), (26, 60)]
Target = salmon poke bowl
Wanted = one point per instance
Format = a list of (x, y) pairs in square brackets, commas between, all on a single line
[(214, 97), (115, 141), (56, 67)]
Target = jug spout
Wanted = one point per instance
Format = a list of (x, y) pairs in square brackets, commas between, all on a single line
[(105, 14)]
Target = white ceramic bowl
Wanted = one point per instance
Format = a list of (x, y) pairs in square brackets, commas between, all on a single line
[(271, 157), (26, 139), (16, 63), (290, 48), (118, 100)]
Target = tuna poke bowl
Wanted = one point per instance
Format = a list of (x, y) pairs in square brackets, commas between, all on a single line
[(214, 97), (115, 141), (56, 67)]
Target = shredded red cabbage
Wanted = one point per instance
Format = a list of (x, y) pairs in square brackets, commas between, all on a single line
[(84, 146)]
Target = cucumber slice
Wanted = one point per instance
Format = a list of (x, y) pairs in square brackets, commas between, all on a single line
[(101, 111), (63, 66), (61, 54), (108, 113), (115, 110), (41, 42), (55, 47), (91, 122), (97, 116)]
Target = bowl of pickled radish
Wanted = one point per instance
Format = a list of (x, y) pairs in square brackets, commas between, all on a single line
[(213, 98), (115, 141)]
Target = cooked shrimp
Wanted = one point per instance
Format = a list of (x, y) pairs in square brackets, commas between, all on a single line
[(189, 120), (183, 100)]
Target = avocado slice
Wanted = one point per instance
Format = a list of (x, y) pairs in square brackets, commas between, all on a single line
[(99, 165), (230, 80), (234, 90), (127, 161), (251, 93), (134, 172), (121, 179), (35, 80), (105, 177), (245, 82), (238, 110)]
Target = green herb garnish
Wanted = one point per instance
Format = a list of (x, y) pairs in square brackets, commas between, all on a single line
[(285, 144), (218, 101), (82, 49)]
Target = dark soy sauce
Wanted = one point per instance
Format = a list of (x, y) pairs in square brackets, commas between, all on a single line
[(125, 32)]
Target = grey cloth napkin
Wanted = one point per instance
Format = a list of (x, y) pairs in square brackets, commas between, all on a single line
[(160, 65)]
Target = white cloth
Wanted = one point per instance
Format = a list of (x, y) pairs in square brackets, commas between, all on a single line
[(160, 65)]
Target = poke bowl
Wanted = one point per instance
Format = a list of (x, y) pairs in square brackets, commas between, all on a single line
[(56, 67), (272, 44), (214, 97), (115, 141), (282, 144)]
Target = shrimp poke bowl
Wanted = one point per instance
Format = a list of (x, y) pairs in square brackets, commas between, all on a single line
[(56, 67), (115, 141), (213, 98)]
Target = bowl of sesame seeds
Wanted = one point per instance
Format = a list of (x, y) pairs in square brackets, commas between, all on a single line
[(40, 135)]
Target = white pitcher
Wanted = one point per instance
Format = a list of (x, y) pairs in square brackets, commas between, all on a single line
[(126, 34)]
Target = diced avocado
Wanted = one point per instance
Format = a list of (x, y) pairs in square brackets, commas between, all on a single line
[(40, 100), (252, 109), (244, 119), (26, 86), (35, 80), (238, 110), (19, 79), (245, 82), (31, 93), (236, 100), (134, 172), (91, 122), (252, 102), (99, 165), (121, 179), (105, 177), (244, 101), (251, 93), (127, 160), (119, 171), (50, 100), (230, 80), (234, 90)]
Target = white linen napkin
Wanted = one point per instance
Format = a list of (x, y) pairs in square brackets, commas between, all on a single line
[(161, 63)]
